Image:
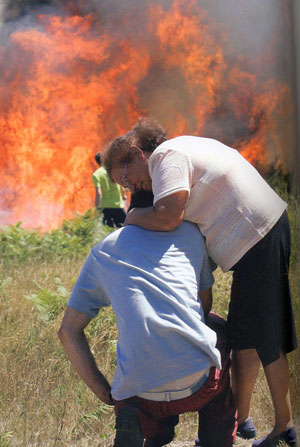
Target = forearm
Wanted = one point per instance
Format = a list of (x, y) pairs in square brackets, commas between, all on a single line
[(123, 192), (165, 215), (150, 218), (206, 299), (98, 196), (79, 354)]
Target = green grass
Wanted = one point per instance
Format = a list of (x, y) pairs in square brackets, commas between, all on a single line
[(42, 400), (72, 240)]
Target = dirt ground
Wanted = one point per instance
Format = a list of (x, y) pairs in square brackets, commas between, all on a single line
[(181, 444)]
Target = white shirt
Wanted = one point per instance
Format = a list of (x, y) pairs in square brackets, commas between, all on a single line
[(229, 200)]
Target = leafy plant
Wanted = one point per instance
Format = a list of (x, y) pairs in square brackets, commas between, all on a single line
[(49, 303), (73, 239)]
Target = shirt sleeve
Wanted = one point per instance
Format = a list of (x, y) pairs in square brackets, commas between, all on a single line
[(87, 295), (171, 171), (96, 180)]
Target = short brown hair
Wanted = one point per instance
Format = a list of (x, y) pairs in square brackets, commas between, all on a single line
[(148, 134), (116, 153), (98, 158)]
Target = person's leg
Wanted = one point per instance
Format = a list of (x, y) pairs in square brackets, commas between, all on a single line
[(261, 316), (138, 419), (219, 410), (218, 416), (128, 430), (119, 217), (244, 370), (164, 433), (108, 217), (277, 374), (217, 421)]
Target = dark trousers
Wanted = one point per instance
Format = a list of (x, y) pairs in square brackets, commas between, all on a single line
[(113, 217), (214, 403)]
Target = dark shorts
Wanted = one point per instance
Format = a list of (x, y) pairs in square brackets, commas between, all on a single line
[(260, 310), (214, 403), (113, 217)]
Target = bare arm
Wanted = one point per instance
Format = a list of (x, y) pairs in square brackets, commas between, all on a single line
[(123, 192), (206, 300), (166, 215), (98, 196), (76, 347)]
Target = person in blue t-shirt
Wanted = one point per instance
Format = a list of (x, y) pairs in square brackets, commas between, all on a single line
[(168, 359)]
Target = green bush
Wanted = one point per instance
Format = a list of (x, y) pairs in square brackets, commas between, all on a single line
[(74, 238), (49, 303)]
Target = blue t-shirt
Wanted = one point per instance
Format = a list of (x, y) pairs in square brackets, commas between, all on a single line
[(151, 279)]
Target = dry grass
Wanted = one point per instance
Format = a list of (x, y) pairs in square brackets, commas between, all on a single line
[(42, 401)]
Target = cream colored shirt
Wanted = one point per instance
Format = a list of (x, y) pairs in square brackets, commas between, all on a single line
[(232, 204)]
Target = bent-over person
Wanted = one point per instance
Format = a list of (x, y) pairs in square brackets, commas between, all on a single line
[(168, 362)]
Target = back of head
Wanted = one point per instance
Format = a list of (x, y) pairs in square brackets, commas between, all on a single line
[(148, 134), (98, 158), (141, 199)]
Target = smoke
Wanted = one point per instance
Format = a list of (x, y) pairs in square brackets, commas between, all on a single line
[(75, 74), (260, 31)]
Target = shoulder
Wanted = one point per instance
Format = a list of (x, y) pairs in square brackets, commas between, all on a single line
[(182, 141), (100, 176), (179, 147), (96, 178), (168, 149), (96, 173), (102, 171), (117, 237), (186, 142)]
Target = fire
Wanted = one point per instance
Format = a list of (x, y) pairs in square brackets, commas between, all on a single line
[(69, 84)]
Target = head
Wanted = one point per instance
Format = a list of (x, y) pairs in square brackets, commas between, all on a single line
[(148, 134), (98, 158), (141, 199), (126, 158)]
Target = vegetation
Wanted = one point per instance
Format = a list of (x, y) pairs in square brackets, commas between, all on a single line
[(72, 240), (42, 400)]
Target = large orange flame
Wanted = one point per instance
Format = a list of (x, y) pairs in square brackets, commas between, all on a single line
[(68, 86)]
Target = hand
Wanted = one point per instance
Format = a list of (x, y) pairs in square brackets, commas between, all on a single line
[(130, 217), (76, 347), (107, 398)]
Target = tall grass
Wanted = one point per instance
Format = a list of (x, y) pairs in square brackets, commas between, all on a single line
[(294, 213), (42, 400)]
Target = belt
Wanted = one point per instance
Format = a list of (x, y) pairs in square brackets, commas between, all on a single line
[(167, 396)]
